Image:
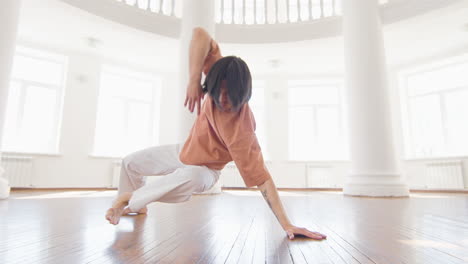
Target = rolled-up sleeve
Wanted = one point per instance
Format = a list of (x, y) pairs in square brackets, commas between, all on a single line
[(248, 157), (238, 134)]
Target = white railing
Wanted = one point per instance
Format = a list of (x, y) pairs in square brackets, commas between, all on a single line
[(163, 7), (251, 12)]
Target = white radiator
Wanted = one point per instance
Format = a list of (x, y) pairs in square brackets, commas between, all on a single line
[(444, 174), (18, 170), (116, 166)]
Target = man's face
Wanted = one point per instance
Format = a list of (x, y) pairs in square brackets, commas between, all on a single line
[(223, 97)]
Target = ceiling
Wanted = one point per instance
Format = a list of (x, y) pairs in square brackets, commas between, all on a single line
[(54, 24)]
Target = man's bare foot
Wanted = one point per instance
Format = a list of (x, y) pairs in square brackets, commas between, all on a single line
[(114, 213)]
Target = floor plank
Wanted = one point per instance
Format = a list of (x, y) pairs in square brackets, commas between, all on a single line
[(234, 227)]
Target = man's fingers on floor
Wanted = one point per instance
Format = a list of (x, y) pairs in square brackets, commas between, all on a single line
[(315, 235)]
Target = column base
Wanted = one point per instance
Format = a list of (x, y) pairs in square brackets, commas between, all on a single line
[(375, 185), (4, 186)]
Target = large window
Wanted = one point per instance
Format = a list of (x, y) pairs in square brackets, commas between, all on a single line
[(257, 104), (35, 100), (128, 112), (435, 110), (315, 121)]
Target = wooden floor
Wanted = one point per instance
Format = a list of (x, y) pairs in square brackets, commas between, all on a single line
[(234, 227)]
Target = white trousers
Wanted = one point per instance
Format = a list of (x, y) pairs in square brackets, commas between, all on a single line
[(177, 181)]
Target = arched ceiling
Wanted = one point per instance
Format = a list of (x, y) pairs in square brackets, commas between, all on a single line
[(53, 23)]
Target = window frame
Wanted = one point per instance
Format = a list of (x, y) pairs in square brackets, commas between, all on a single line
[(24, 85), (339, 106), (407, 116), (155, 104)]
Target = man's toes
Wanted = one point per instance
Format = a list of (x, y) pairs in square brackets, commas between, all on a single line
[(112, 216), (109, 214), (115, 221), (115, 218)]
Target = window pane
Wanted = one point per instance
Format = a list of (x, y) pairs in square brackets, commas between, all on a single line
[(329, 143), (282, 11), (315, 121), (167, 7), (238, 11), (126, 87), (270, 5), (327, 8), (313, 95), (110, 128), (457, 121), (140, 133), (316, 9), (227, 15), (338, 7), (258, 94), (426, 121), (449, 77), (301, 133), (37, 127), (249, 12), (293, 15), (126, 112), (12, 119), (304, 7), (217, 10), (37, 70), (257, 104)]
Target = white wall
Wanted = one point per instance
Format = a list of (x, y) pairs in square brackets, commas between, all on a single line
[(74, 167)]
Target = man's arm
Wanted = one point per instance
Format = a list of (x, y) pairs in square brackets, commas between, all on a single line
[(272, 198), (199, 48)]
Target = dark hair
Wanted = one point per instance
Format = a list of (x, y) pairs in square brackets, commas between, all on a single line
[(238, 81)]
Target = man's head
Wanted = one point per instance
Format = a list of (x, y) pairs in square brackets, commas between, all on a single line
[(229, 83)]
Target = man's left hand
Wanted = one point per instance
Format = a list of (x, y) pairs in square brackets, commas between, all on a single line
[(294, 230)]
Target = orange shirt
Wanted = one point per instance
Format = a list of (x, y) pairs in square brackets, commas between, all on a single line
[(219, 137)]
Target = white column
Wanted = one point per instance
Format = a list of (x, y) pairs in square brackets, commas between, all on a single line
[(9, 17), (195, 14), (374, 167)]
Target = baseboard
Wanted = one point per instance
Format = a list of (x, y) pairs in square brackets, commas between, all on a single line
[(438, 191), (239, 188), (63, 189)]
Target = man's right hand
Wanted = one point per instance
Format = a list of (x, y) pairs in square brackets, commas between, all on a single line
[(194, 97)]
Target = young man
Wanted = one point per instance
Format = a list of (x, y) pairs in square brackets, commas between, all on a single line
[(223, 131)]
